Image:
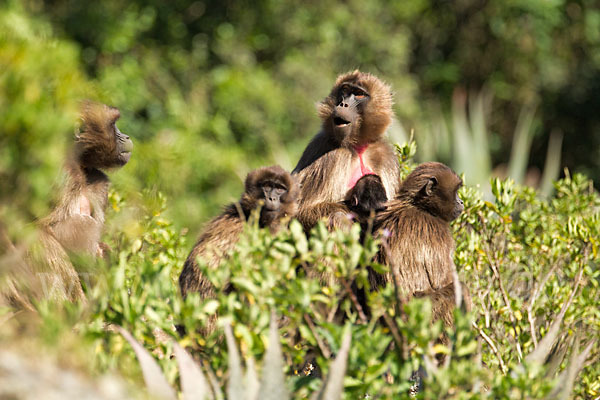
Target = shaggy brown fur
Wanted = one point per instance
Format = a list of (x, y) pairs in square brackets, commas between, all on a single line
[(271, 187), (366, 199), (350, 144), (76, 223), (363, 201), (443, 302), (420, 247)]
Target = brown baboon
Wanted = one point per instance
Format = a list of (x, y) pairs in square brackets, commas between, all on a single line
[(419, 245), (350, 145), (270, 187), (366, 198), (76, 223), (443, 301), (362, 201)]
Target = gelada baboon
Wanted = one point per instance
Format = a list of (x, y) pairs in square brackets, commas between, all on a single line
[(350, 145), (363, 201), (271, 188), (366, 198), (75, 224), (420, 247)]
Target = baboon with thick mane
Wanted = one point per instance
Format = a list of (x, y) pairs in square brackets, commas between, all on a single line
[(350, 145)]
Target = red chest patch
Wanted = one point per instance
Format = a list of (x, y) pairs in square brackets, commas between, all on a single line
[(361, 170)]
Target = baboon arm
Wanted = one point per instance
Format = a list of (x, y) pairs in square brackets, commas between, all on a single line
[(338, 216)]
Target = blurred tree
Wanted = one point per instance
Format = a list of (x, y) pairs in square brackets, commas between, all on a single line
[(215, 88)]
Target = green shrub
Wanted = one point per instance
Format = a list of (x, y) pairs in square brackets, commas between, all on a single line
[(521, 257)]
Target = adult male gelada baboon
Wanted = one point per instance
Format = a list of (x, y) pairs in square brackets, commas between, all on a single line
[(75, 224), (271, 188), (350, 145), (419, 246)]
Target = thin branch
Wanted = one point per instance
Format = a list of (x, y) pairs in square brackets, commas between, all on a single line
[(536, 292), (457, 286), (494, 265), (545, 345), (532, 327), (355, 302), (324, 350), (332, 313), (398, 339), (490, 343)]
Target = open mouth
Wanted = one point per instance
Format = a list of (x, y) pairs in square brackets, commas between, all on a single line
[(340, 122), (125, 156)]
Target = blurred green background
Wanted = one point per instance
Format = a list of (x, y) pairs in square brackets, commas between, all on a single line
[(209, 90)]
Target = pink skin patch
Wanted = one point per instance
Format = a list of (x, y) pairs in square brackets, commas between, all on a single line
[(362, 169), (85, 208)]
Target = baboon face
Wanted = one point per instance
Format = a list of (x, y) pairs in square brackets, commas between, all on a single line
[(434, 188), (100, 143), (351, 99), (274, 188), (272, 193), (358, 109), (124, 145)]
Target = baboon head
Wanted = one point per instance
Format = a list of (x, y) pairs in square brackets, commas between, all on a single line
[(100, 144), (358, 110), (433, 187)]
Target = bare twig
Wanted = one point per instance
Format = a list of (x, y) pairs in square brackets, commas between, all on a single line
[(398, 339), (536, 292), (332, 313), (324, 349), (355, 302), (457, 286), (545, 345), (494, 265), (490, 343)]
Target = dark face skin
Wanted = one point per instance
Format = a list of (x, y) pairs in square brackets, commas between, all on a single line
[(124, 145), (351, 99), (459, 206), (271, 193)]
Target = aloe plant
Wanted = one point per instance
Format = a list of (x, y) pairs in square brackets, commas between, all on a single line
[(240, 386), (463, 139)]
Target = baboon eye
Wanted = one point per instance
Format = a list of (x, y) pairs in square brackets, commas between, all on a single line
[(359, 96)]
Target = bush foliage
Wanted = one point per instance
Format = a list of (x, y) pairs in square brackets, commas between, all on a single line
[(522, 258)]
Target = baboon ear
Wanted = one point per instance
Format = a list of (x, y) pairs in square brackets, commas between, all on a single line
[(427, 189), (355, 200)]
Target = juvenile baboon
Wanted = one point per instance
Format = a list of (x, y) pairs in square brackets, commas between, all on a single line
[(366, 198), (350, 145), (270, 187), (75, 224), (419, 244), (362, 201)]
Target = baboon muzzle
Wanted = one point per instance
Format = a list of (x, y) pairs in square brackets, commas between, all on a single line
[(346, 111)]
